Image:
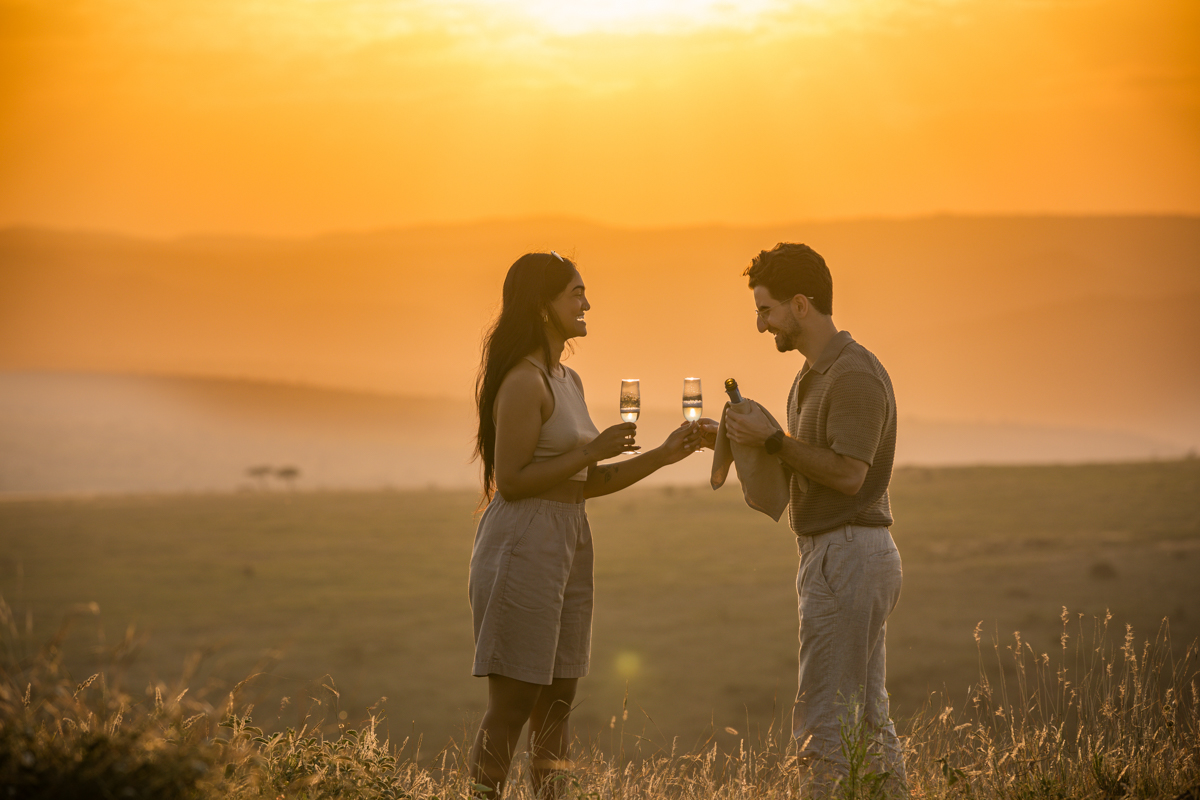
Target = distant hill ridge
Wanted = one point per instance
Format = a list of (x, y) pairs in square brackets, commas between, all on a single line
[(1078, 322)]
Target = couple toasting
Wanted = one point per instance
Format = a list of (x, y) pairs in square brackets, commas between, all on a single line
[(531, 567)]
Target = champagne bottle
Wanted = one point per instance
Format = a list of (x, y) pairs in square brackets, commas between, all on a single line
[(731, 388)]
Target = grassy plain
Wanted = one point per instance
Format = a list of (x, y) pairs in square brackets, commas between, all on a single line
[(366, 592)]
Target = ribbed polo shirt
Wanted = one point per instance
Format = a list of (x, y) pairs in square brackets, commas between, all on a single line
[(843, 401)]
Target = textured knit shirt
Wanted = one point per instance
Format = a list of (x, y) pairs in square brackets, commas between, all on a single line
[(844, 401)]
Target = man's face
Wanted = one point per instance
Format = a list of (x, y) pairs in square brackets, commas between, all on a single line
[(778, 318)]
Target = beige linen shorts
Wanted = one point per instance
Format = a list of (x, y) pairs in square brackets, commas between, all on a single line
[(531, 590)]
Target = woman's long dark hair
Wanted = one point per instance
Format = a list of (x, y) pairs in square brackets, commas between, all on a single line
[(533, 281)]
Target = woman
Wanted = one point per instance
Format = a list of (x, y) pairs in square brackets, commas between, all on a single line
[(531, 568)]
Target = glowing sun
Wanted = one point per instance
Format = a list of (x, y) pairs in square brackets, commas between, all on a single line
[(571, 17)]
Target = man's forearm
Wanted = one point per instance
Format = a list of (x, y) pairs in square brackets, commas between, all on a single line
[(838, 472)]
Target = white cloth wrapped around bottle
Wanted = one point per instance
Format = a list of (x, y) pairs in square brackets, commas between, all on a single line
[(764, 478)]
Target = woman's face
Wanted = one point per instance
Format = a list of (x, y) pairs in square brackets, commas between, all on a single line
[(568, 308)]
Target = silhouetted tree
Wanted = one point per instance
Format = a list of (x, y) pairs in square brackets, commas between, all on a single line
[(288, 475), (259, 474)]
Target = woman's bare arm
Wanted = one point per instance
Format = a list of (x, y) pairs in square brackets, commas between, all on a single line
[(608, 478)]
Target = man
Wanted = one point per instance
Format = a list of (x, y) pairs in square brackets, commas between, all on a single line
[(839, 446)]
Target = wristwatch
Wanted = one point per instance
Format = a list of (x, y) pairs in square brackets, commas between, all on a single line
[(774, 443)]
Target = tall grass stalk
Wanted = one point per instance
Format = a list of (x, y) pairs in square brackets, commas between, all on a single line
[(1097, 718)]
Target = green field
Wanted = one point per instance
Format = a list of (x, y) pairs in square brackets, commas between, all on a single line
[(695, 593)]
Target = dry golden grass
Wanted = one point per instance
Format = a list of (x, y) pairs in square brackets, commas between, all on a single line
[(1097, 718)]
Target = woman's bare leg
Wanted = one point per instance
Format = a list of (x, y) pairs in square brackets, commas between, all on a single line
[(549, 734), (510, 702)]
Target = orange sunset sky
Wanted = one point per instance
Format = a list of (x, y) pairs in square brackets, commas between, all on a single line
[(289, 117)]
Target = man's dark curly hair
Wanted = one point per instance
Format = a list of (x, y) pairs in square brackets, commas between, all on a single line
[(790, 269)]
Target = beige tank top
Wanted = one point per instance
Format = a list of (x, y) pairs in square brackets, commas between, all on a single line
[(570, 426)]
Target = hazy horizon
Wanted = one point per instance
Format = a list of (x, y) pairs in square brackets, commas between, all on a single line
[(65, 433)]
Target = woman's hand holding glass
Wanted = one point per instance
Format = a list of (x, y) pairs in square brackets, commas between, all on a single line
[(614, 441), (681, 442)]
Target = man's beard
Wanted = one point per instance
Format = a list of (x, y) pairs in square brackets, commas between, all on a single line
[(789, 340)]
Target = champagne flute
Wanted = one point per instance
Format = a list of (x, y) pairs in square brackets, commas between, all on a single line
[(631, 399), (693, 401)]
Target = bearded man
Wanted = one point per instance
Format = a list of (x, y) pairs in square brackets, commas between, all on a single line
[(839, 448)]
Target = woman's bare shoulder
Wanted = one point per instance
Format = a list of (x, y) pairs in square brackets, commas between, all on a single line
[(523, 379)]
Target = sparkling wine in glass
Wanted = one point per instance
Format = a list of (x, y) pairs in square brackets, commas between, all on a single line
[(693, 401), (631, 399)]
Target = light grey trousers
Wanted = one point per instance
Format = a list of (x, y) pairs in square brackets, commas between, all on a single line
[(847, 585)]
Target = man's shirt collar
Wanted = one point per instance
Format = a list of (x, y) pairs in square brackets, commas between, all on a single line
[(831, 352)]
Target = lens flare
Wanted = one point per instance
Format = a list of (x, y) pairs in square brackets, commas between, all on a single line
[(629, 664)]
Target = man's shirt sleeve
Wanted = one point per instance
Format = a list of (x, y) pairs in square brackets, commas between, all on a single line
[(858, 409)]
